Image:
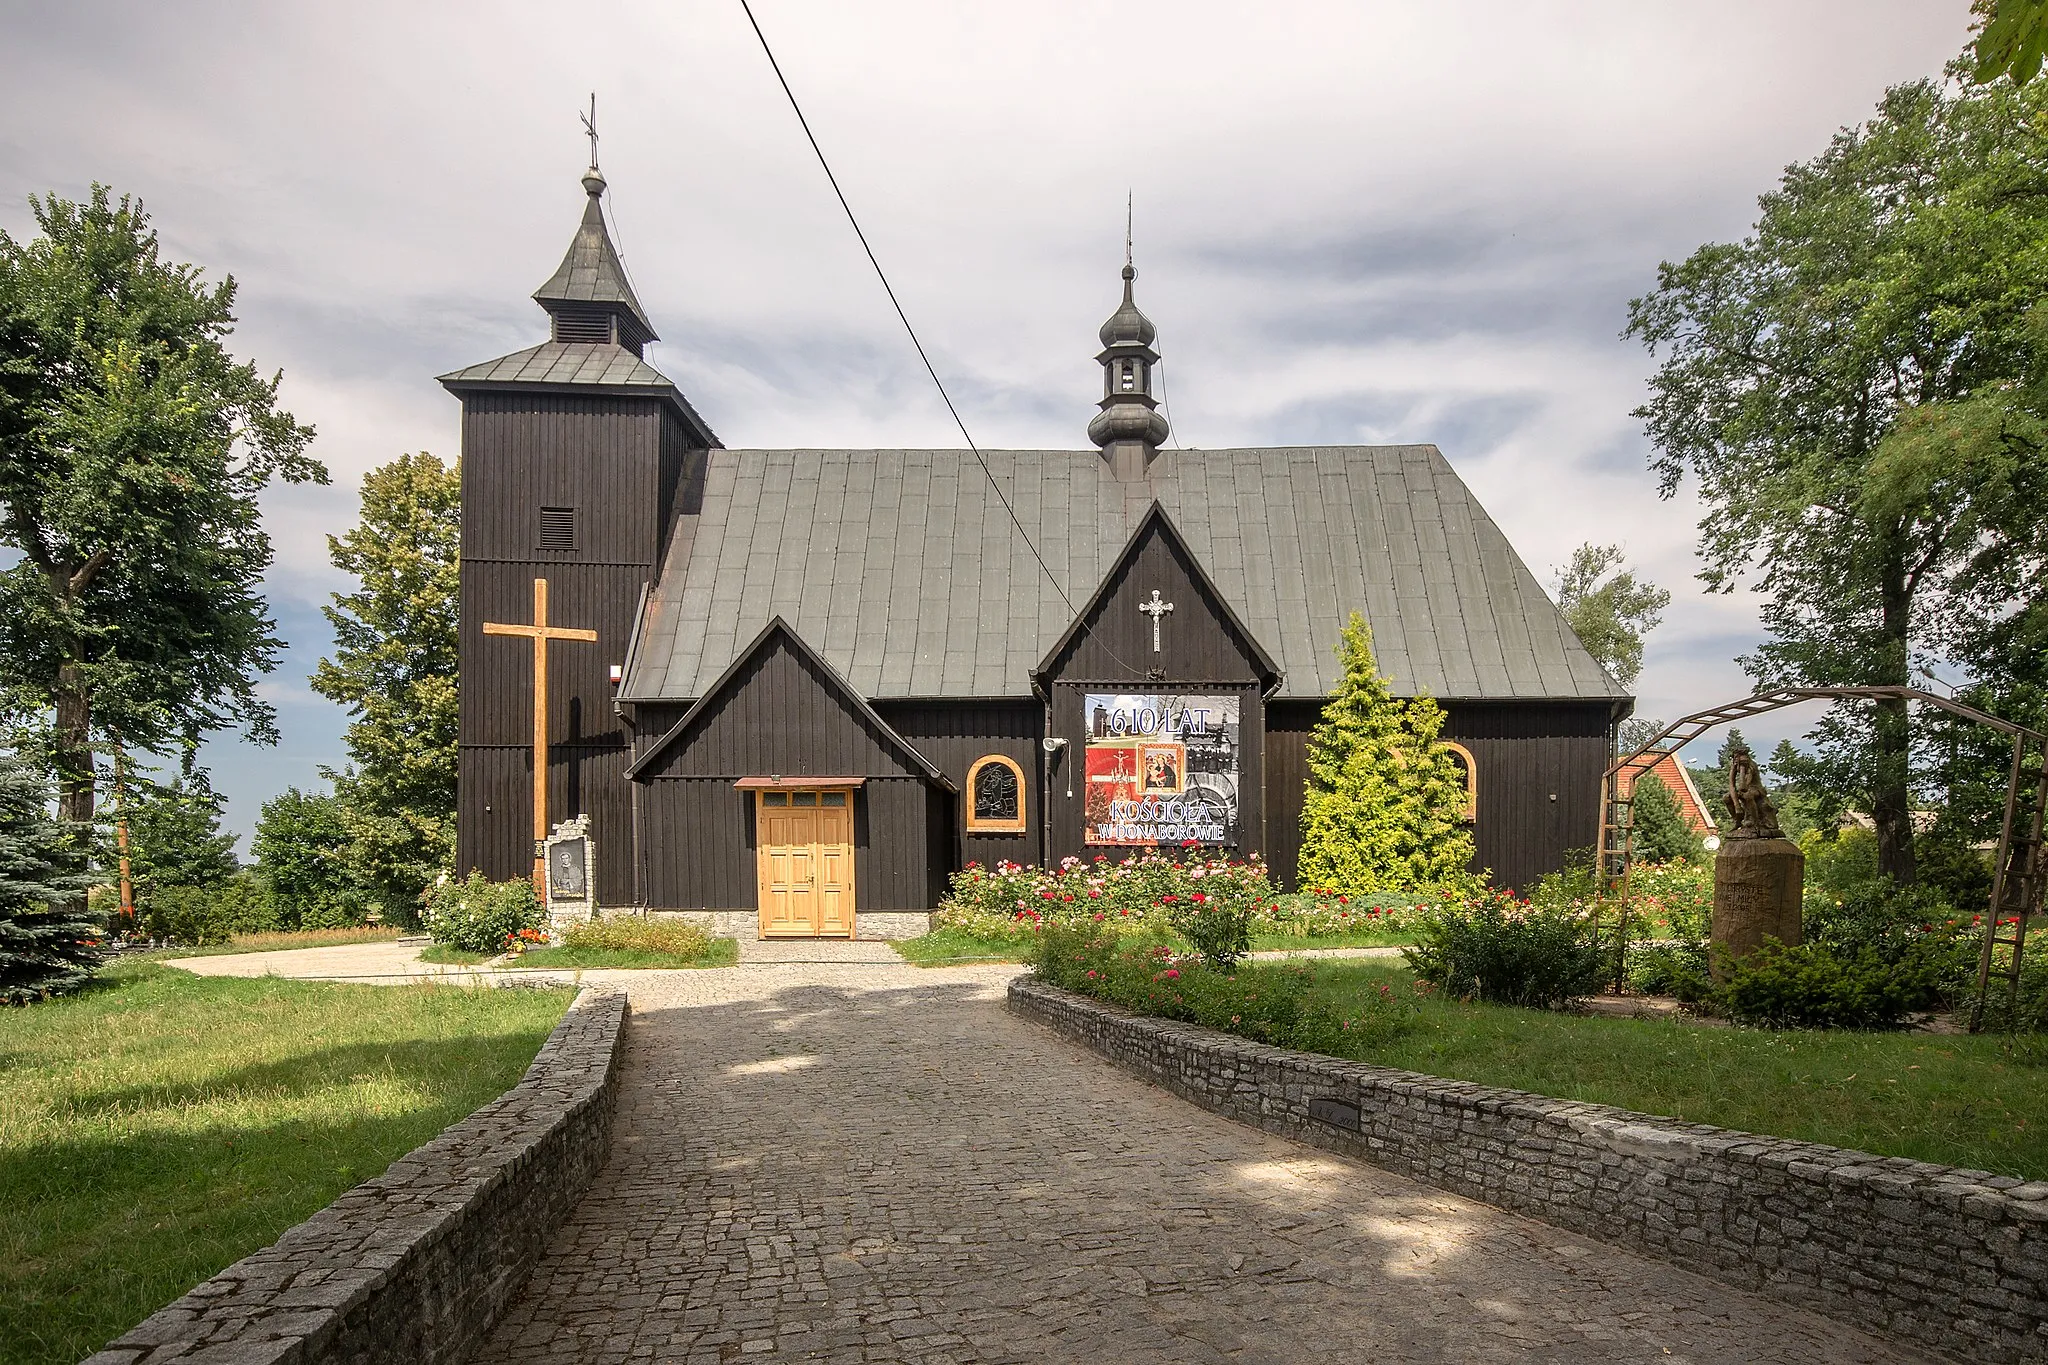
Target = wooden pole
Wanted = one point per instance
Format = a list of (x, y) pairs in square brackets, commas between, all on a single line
[(540, 734), (121, 836)]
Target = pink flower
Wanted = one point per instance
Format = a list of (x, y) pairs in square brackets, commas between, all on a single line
[(1172, 973)]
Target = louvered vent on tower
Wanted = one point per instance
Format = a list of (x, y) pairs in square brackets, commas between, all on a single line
[(557, 528), (583, 324)]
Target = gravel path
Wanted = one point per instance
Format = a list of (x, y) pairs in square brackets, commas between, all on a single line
[(860, 1162)]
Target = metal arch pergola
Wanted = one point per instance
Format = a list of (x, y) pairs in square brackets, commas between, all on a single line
[(2017, 879)]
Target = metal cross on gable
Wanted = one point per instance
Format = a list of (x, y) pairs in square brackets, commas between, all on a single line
[(590, 126), (1155, 609)]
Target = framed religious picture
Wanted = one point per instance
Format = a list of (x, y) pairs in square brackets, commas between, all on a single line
[(1162, 766), (569, 870)]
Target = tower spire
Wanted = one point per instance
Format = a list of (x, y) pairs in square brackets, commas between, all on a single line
[(589, 297), (1130, 427)]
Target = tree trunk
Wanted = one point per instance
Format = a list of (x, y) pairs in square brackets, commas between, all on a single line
[(1890, 796), (74, 745)]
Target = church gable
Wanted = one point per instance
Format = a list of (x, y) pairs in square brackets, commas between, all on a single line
[(781, 711), (1157, 615)]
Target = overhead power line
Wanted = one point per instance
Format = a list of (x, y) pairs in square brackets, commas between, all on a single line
[(904, 318)]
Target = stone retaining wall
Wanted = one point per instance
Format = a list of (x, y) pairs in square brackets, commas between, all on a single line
[(1951, 1259), (867, 924), (417, 1264)]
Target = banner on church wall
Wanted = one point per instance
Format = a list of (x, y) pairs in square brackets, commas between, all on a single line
[(1161, 769)]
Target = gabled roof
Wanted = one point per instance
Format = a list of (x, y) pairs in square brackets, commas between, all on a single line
[(580, 367), (1269, 671), (779, 630), (1677, 779), (591, 271), (904, 567)]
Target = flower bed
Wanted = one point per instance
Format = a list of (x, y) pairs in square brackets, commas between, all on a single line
[(1267, 1002), (1157, 893)]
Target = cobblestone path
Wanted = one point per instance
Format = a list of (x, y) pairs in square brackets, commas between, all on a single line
[(875, 1163)]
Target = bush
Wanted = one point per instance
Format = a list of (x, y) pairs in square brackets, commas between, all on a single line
[(479, 915), (631, 934), (1814, 986), (1326, 913), (1510, 952), (1674, 969), (49, 937), (202, 916), (1269, 1003)]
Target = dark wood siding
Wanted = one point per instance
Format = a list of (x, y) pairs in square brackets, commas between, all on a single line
[(496, 782), (1197, 642), (953, 735), (605, 457), (780, 715), (1539, 766), (700, 845), (1200, 651)]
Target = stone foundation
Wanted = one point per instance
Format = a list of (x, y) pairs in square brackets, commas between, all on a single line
[(417, 1264), (746, 924), (1944, 1258)]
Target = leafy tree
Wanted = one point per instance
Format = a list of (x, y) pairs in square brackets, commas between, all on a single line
[(1662, 833), (48, 943), (1609, 608), (174, 834), (2011, 37), (1637, 731), (394, 665), (1807, 381), (132, 447), (305, 852), (1385, 805)]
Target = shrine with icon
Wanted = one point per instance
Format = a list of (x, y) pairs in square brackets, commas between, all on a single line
[(801, 688)]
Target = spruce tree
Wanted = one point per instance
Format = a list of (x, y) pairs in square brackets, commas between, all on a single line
[(1385, 807), (49, 944), (1662, 833)]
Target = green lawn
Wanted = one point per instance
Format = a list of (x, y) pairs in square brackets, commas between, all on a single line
[(283, 940), (722, 952), (161, 1126), (1961, 1101), (447, 955), (1357, 938)]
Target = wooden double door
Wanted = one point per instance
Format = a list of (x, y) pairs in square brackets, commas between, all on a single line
[(806, 863)]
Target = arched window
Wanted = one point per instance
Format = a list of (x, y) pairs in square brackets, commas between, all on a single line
[(995, 796), (1462, 756)]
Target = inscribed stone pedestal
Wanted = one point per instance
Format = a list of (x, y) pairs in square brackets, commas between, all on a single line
[(1757, 886)]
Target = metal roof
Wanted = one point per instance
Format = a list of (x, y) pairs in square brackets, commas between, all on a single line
[(581, 366), (590, 272), (901, 568)]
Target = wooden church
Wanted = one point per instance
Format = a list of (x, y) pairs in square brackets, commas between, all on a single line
[(800, 688)]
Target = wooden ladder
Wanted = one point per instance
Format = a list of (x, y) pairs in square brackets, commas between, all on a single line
[(2016, 889)]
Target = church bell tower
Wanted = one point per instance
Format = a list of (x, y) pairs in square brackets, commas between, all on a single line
[(1130, 426)]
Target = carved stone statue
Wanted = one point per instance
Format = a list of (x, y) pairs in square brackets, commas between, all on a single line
[(1749, 805)]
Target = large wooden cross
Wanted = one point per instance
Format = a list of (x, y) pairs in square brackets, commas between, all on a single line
[(540, 632)]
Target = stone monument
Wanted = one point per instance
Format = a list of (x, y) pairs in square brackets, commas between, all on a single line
[(1758, 873), (571, 859)]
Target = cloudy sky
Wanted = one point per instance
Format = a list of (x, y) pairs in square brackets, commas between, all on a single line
[(1356, 222)]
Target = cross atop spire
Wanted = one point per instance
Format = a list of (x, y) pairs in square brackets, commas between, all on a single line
[(588, 296), (1130, 426)]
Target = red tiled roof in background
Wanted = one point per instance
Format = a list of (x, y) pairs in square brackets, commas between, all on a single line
[(1679, 783)]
